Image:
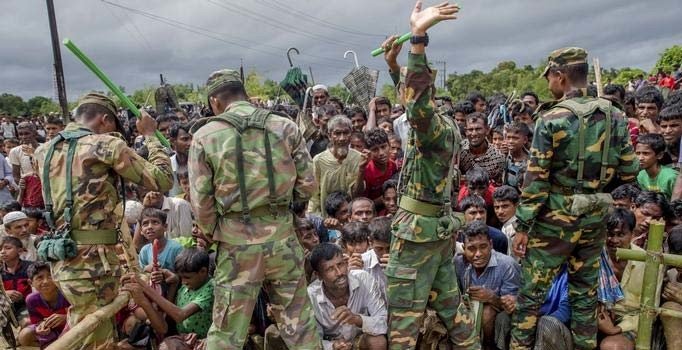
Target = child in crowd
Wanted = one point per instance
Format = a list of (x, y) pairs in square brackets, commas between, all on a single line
[(497, 139), (375, 259), (183, 179), (505, 201), (153, 228), (46, 308), (357, 141), (670, 120), (337, 208), (624, 196), (474, 208), (477, 182), (305, 232), (15, 274), (386, 125), (354, 242), (9, 144), (36, 222), (516, 139), (379, 168), (17, 225), (359, 119), (390, 198), (653, 176), (396, 153)]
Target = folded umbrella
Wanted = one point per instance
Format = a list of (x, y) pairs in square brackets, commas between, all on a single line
[(361, 82), (295, 82)]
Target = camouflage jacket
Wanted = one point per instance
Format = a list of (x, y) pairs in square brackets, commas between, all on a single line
[(434, 141), (554, 156), (98, 161), (213, 174)]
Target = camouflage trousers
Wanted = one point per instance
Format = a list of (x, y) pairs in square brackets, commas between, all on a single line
[(421, 274), (556, 238), (241, 270), (89, 281)]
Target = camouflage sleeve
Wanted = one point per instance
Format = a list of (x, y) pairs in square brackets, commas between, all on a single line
[(420, 108), (536, 180), (395, 77), (201, 192), (305, 179), (154, 174), (628, 165)]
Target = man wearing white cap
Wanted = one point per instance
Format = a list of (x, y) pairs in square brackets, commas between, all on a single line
[(17, 225)]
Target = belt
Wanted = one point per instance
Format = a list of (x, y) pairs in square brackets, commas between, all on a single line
[(95, 236), (259, 212), (420, 208), (570, 191)]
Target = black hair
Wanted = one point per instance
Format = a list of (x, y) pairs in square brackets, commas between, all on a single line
[(620, 216), (672, 112), (626, 191), (389, 184), (476, 116), (357, 110), (359, 199), (385, 120), (676, 207), (629, 99), (675, 240), (649, 94), (465, 107), (328, 109), (475, 228), (656, 198), (507, 193), (176, 127), (11, 240), (615, 90), (532, 94), (655, 141), (591, 91), (477, 176), (354, 232), (298, 207), (334, 99), (474, 97), (323, 252), (165, 118), (33, 213), (54, 121), (333, 202), (382, 101), (576, 73), (380, 229), (498, 130), (91, 110), (149, 212), (300, 223), (674, 98), (518, 127), (230, 92), (11, 206), (472, 201), (191, 260), (518, 108), (183, 174), (36, 267), (375, 137)]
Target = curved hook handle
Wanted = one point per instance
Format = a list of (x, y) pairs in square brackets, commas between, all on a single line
[(289, 55), (355, 57)]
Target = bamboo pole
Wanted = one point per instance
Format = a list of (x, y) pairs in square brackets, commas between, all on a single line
[(647, 314), (597, 77), (75, 335), (638, 255)]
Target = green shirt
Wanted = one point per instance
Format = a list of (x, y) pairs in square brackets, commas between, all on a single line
[(200, 321), (664, 182)]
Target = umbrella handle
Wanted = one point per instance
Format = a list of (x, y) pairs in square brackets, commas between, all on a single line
[(355, 57), (305, 99), (291, 64)]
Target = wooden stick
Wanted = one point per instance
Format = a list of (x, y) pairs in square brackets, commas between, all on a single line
[(75, 336), (647, 314), (597, 77)]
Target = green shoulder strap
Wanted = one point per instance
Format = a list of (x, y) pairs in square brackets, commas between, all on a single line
[(72, 138)]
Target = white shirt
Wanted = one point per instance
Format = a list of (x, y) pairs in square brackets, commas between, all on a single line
[(401, 127), (179, 218), (373, 267), (364, 300), (8, 130), (18, 157), (510, 232)]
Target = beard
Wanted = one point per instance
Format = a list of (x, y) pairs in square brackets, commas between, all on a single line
[(340, 152)]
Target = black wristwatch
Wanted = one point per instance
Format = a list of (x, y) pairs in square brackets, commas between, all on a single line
[(420, 39)]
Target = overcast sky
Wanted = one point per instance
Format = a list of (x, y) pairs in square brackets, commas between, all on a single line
[(187, 39)]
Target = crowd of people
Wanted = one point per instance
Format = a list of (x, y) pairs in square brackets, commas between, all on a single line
[(354, 227)]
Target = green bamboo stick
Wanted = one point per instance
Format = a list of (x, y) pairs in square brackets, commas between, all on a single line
[(403, 38), (638, 255), (647, 314), (113, 87)]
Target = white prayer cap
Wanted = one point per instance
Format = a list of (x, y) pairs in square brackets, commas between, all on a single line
[(320, 87)]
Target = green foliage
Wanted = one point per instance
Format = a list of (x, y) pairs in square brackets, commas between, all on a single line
[(40, 105), (389, 91), (626, 74), (340, 91), (670, 57), (13, 105)]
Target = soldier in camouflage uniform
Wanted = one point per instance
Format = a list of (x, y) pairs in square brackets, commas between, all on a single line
[(247, 165), (420, 271), (580, 145), (90, 280)]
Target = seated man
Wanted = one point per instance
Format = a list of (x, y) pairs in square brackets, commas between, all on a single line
[(489, 277), (375, 259), (348, 306), (362, 209), (46, 308), (18, 225), (473, 208)]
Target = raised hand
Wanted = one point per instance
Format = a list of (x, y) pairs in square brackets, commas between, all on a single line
[(422, 20)]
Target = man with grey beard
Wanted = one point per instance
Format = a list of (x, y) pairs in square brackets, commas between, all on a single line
[(339, 168)]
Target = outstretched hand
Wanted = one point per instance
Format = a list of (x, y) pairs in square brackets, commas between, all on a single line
[(422, 20)]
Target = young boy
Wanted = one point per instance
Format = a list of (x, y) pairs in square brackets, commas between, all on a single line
[(9, 144), (375, 259), (505, 201), (153, 227), (386, 125), (379, 168), (624, 196), (337, 208), (359, 119), (649, 102), (497, 139), (193, 307), (357, 141), (183, 179), (654, 176), (17, 225), (305, 232), (46, 308), (516, 138), (396, 153), (36, 221), (15, 273), (354, 242), (390, 198), (670, 120)]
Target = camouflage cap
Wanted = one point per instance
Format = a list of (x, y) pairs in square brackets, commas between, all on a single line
[(222, 78), (564, 57), (104, 101)]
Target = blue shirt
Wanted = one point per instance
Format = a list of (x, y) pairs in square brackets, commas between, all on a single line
[(501, 275), (556, 304), (500, 242), (166, 256)]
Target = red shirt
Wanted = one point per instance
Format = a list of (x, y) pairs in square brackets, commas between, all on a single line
[(667, 82), (33, 194), (375, 178)]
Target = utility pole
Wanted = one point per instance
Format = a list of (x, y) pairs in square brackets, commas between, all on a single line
[(444, 73), (58, 69)]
